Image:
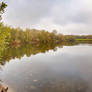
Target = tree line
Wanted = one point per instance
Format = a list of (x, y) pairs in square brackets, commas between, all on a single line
[(16, 36), (33, 36)]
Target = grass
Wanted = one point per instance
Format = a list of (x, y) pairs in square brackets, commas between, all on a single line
[(84, 39)]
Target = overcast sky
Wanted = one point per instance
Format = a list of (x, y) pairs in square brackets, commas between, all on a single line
[(66, 16)]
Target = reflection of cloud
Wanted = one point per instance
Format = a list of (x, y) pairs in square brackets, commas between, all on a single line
[(65, 85), (72, 16)]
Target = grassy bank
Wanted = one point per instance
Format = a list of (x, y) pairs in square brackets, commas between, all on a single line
[(83, 39)]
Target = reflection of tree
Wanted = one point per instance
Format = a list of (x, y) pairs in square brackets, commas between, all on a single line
[(28, 50), (10, 52)]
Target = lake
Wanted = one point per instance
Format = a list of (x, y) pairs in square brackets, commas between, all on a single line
[(64, 69)]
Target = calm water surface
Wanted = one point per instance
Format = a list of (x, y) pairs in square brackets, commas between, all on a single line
[(68, 69)]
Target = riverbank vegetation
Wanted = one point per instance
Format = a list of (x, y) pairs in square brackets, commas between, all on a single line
[(17, 36)]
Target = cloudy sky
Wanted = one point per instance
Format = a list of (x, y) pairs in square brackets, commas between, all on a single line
[(66, 16)]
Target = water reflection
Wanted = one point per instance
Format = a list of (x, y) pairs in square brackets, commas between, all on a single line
[(13, 52), (66, 69)]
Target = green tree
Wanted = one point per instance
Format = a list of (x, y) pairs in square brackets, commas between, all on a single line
[(4, 31), (2, 8)]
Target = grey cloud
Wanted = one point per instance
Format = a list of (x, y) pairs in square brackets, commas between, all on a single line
[(74, 16), (73, 12), (82, 17), (27, 11)]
